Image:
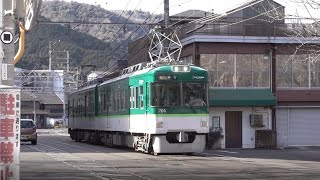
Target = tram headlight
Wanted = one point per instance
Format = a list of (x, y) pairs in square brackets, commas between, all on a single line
[(159, 125), (181, 69), (203, 123)]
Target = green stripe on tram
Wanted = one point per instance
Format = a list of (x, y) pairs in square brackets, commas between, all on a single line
[(181, 115)]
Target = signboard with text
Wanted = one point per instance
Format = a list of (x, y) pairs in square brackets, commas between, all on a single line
[(9, 133)]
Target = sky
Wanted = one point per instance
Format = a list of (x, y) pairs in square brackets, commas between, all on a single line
[(176, 6)]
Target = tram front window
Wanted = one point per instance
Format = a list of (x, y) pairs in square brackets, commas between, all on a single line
[(178, 94), (194, 94), (165, 94)]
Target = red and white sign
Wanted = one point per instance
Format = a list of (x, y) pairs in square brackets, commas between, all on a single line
[(9, 134)]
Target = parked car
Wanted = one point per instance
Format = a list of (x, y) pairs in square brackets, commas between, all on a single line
[(28, 131)]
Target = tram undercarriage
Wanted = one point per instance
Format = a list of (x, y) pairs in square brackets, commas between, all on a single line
[(172, 142)]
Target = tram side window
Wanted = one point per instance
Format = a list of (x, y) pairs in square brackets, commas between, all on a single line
[(133, 97), (104, 102), (73, 107), (141, 97), (85, 105), (77, 105), (158, 94), (91, 104), (108, 101), (116, 100), (88, 108), (126, 99), (88, 105), (111, 101), (100, 102), (123, 100), (119, 101), (137, 97)]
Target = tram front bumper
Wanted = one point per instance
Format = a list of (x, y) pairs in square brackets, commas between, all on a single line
[(161, 145)]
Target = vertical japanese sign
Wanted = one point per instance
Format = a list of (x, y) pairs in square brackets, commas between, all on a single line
[(9, 134)]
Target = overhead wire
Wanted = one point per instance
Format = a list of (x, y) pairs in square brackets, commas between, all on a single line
[(96, 47), (115, 63), (206, 20), (145, 22), (183, 20), (178, 4), (116, 32)]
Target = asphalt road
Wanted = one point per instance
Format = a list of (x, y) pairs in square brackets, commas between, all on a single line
[(58, 157)]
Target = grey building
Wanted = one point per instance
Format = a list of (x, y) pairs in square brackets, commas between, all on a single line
[(42, 107)]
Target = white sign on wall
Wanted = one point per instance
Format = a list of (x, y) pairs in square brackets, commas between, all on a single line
[(9, 133), (4, 72)]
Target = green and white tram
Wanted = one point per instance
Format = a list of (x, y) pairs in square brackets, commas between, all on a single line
[(155, 110)]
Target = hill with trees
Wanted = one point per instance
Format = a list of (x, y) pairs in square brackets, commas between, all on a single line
[(84, 34)]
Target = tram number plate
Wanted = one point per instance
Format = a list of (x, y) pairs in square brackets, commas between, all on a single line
[(162, 111)]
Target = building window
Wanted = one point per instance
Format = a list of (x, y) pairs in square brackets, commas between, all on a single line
[(186, 59), (237, 70), (299, 70), (215, 122)]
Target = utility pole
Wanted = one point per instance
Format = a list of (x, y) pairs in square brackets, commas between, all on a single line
[(51, 44), (10, 11), (7, 29), (9, 96), (60, 63), (166, 25), (166, 13)]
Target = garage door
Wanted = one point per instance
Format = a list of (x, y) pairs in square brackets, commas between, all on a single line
[(298, 126)]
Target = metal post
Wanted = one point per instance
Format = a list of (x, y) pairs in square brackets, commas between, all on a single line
[(166, 25)]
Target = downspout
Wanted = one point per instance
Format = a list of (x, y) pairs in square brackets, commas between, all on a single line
[(20, 52)]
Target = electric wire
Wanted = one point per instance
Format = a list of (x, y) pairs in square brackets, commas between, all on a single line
[(96, 47), (96, 53), (118, 47)]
